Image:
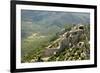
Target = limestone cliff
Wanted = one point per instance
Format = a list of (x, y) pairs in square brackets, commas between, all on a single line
[(71, 45)]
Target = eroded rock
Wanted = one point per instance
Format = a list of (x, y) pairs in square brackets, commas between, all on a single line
[(69, 40)]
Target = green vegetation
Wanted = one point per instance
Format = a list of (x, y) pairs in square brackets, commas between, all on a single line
[(36, 43), (39, 29)]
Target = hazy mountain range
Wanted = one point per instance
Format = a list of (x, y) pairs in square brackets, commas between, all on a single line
[(53, 21), (55, 17)]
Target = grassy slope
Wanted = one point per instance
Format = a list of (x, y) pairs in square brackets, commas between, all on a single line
[(36, 41)]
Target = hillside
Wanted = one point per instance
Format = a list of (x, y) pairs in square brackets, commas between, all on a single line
[(70, 45)]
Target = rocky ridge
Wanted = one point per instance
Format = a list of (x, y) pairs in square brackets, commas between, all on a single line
[(71, 45)]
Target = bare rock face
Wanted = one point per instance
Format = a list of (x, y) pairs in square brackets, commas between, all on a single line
[(70, 39)]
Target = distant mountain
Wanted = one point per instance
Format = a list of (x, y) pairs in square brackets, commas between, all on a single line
[(55, 17), (49, 22)]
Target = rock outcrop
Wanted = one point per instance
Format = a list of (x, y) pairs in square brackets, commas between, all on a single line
[(75, 38)]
